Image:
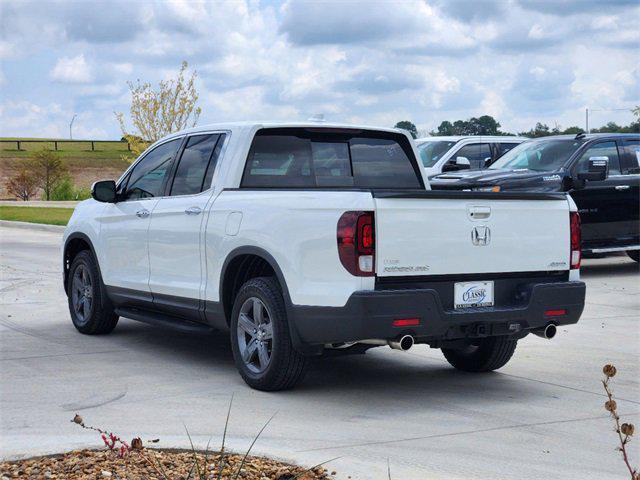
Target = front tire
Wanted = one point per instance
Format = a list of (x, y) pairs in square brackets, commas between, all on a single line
[(634, 255), (88, 314), (487, 354), (260, 339)]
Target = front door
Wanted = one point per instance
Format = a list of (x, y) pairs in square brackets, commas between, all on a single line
[(125, 224), (603, 205), (175, 230)]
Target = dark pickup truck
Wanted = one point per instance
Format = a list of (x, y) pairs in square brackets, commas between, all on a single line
[(601, 172)]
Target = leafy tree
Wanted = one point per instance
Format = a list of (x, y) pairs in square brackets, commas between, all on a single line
[(483, 125), (158, 112), (47, 170), (573, 130), (540, 130), (23, 184), (408, 126), (444, 129), (610, 127)]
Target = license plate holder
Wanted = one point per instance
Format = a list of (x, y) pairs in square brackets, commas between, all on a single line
[(472, 294)]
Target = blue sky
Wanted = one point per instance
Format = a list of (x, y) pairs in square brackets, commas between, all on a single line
[(372, 62)]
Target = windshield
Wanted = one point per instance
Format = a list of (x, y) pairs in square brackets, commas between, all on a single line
[(541, 156), (431, 152)]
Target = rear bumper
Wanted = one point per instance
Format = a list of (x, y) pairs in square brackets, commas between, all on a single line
[(370, 315)]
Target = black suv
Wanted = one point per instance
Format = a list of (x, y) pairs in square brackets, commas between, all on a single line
[(601, 172)]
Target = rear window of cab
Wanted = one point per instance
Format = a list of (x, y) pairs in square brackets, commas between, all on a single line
[(317, 158)]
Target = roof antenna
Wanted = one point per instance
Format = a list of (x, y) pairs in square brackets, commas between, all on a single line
[(317, 117)]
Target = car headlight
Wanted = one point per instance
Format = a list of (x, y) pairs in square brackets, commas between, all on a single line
[(493, 188)]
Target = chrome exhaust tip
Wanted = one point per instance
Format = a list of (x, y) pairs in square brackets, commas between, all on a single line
[(547, 332), (404, 343)]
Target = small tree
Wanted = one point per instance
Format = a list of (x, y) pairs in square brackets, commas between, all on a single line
[(23, 184), (158, 112), (408, 126), (48, 170)]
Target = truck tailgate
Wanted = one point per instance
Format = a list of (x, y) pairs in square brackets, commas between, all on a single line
[(438, 233)]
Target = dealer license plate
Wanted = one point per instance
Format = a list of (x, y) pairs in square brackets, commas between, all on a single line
[(473, 294)]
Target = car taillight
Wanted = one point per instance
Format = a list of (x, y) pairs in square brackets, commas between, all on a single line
[(576, 253), (356, 243)]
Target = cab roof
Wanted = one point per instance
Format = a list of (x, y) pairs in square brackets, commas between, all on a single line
[(457, 138), (258, 125)]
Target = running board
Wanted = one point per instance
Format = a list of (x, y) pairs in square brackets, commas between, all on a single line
[(164, 320), (611, 249)]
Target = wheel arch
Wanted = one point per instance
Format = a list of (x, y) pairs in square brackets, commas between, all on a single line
[(231, 272), (74, 244), (259, 262)]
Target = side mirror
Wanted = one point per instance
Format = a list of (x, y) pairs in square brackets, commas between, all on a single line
[(597, 170), (104, 191), (463, 163), (487, 162)]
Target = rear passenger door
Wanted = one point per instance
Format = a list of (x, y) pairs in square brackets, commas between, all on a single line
[(630, 166), (175, 230)]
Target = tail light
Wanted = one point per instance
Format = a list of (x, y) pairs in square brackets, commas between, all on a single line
[(576, 252), (356, 243)]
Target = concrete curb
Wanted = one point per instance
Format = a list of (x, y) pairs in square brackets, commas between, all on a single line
[(32, 226)]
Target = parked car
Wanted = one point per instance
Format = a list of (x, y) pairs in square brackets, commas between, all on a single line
[(447, 154), (300, 238), (608, 201)]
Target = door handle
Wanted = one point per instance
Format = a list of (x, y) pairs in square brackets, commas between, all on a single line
[(144, 213), (621, 187), (193, 211), (479, 212)]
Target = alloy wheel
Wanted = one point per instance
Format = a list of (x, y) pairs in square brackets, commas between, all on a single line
[(255, 335)]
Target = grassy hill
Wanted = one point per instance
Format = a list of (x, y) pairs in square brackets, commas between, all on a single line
[(84, 164)]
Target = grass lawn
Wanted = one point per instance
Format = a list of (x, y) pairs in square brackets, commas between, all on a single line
[(50, 216), (66, 150)]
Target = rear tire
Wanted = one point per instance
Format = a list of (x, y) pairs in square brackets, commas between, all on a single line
[(489, 354), (634, 255), (86, 306), (260, 339)]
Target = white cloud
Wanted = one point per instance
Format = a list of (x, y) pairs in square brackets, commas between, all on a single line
[(72, 70), (424, 61)]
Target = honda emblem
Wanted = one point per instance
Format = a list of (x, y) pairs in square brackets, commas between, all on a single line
[(480, 236)]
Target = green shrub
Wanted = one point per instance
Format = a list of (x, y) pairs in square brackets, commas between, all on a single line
[(66, 190)]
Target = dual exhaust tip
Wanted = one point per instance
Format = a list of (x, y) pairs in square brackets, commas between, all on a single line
[(547, 332), (405, 342)]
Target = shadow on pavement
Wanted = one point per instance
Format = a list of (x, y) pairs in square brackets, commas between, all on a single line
[(602, 267), (415, 377)]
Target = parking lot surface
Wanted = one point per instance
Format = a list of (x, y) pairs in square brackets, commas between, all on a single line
[(539, 417)]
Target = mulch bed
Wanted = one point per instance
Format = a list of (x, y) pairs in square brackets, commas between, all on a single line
[(152, 464)]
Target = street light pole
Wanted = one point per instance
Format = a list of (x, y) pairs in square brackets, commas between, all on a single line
[(586, 112), (71, 126)]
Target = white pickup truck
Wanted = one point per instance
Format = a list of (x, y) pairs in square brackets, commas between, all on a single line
[(302, 238)]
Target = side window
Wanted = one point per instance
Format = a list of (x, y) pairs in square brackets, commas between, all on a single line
[(196, 161), (602, 149), (148, 176), (476, 153), (503, 148), (632, 165)]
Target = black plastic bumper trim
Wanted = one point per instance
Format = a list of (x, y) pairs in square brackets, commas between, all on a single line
[(369, 315)]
